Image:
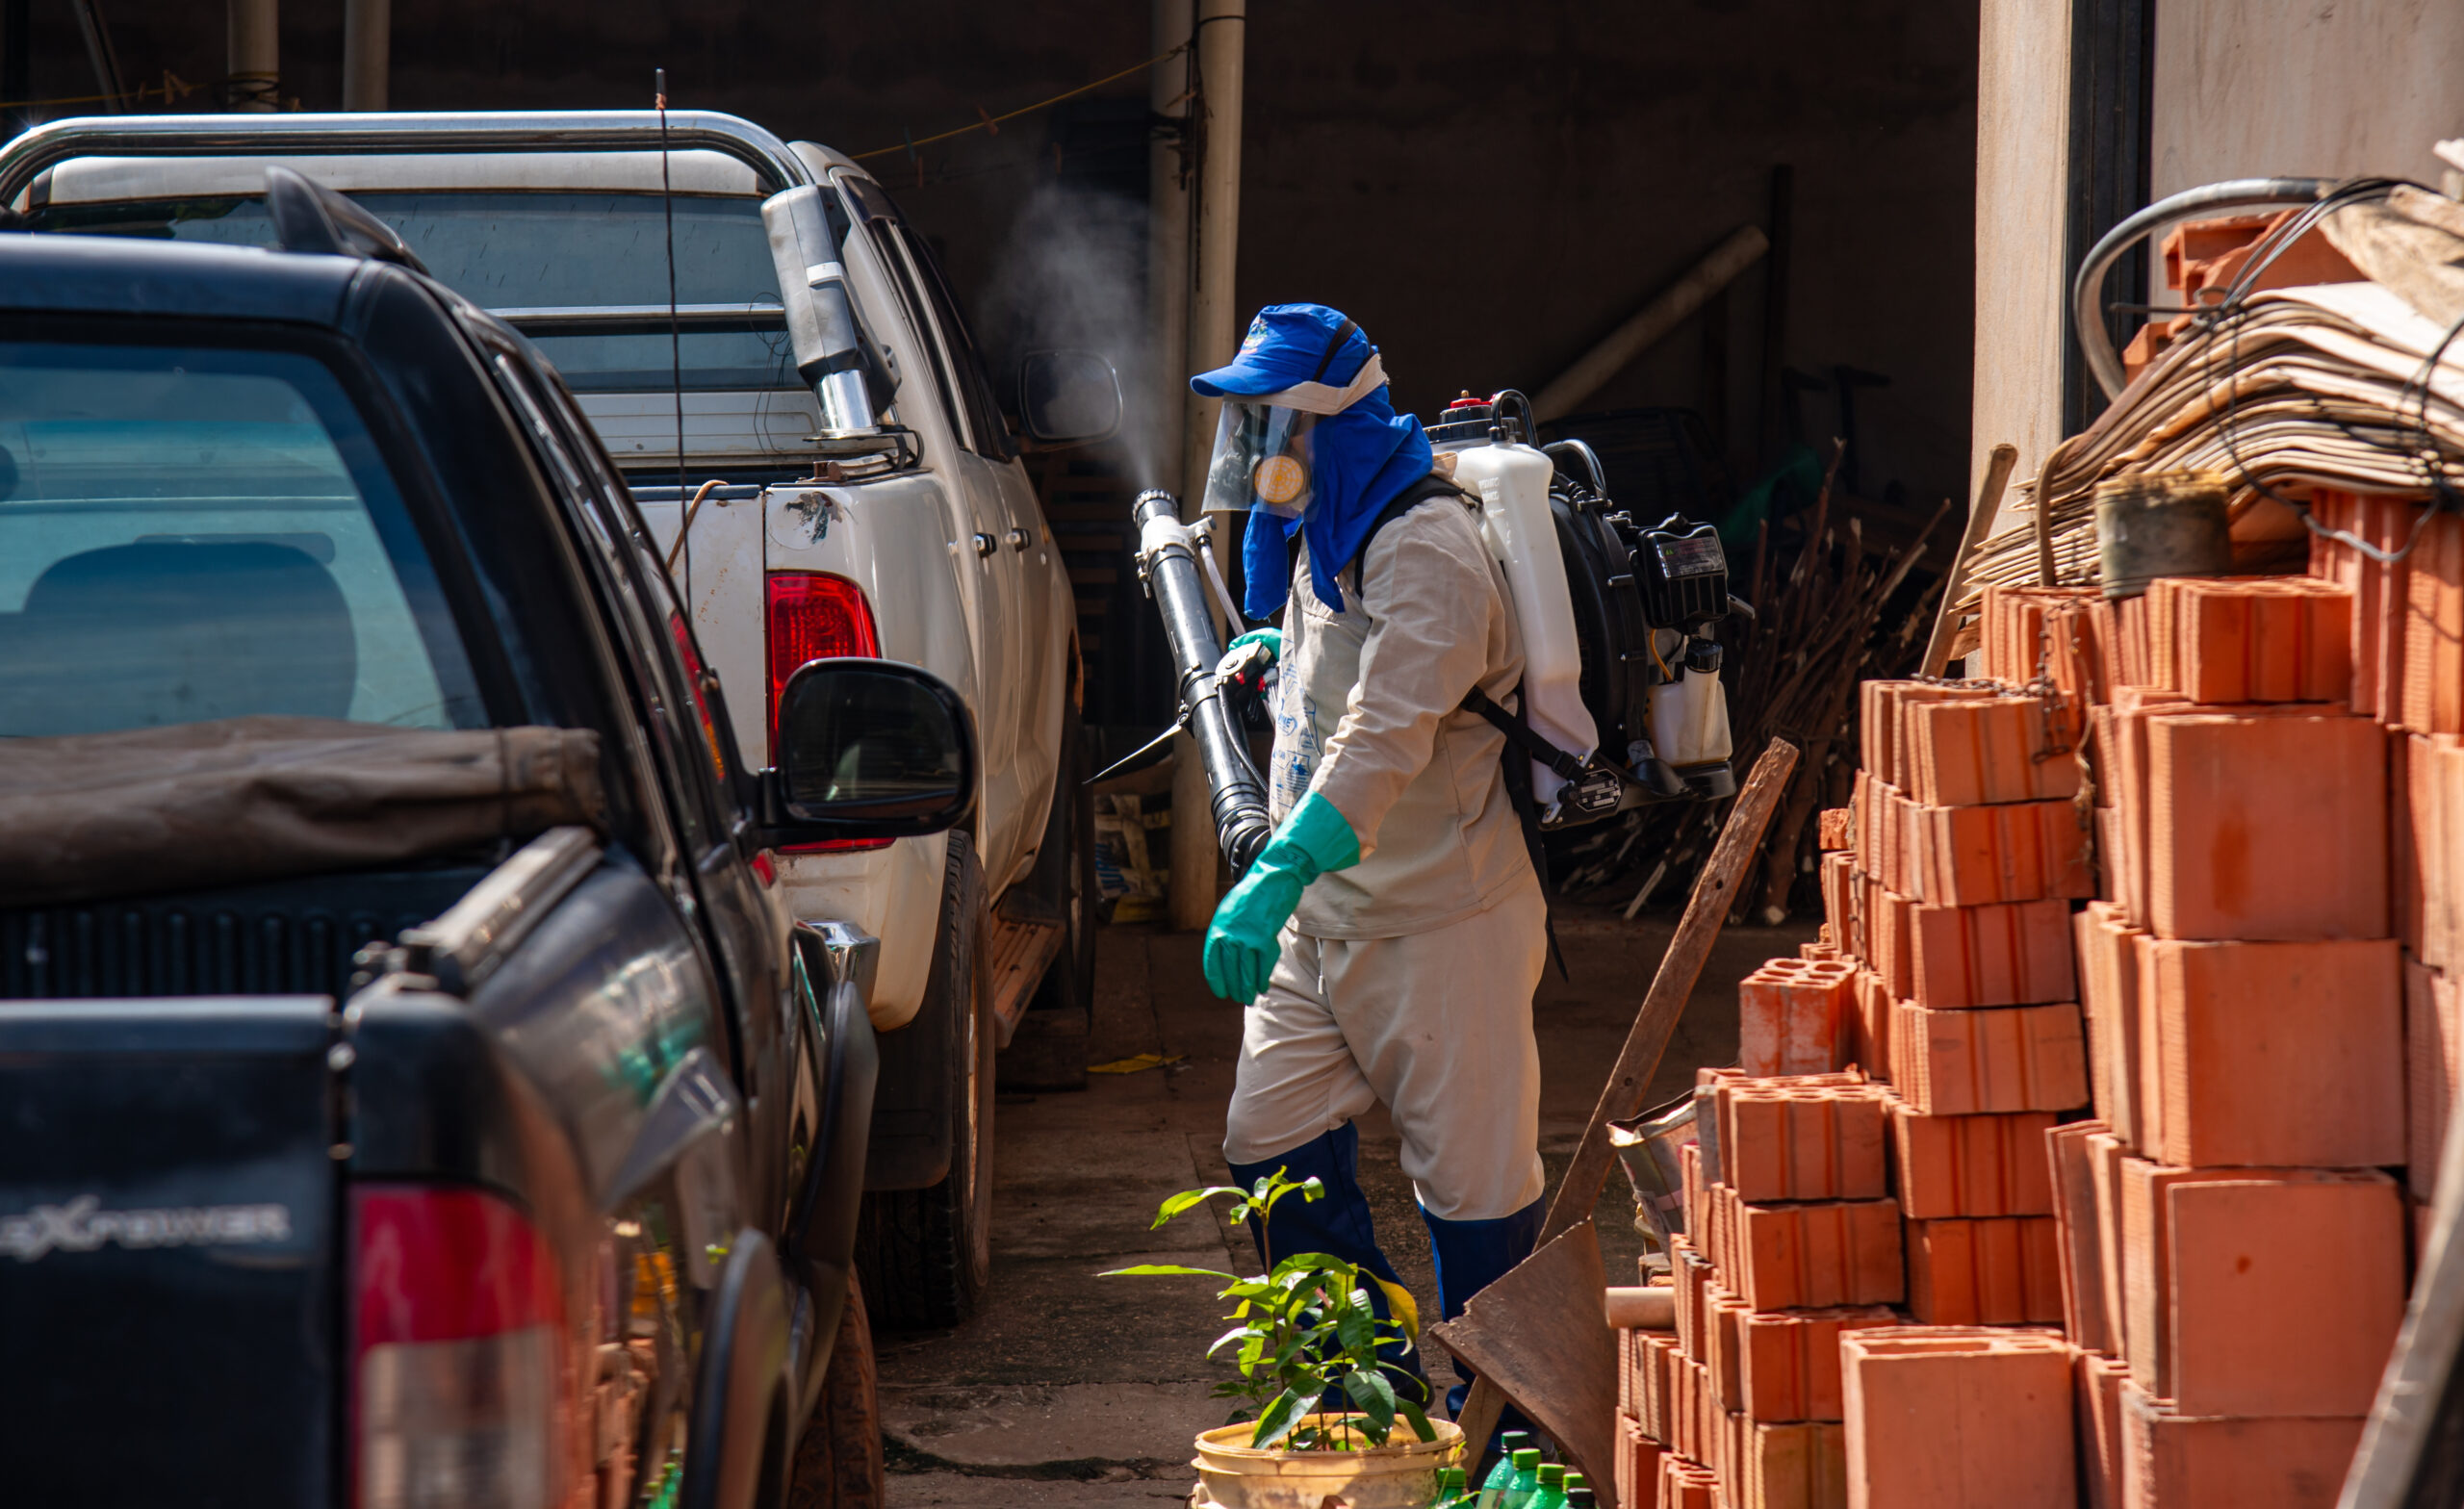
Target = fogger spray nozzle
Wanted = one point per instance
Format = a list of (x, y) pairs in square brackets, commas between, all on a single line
[(1152, 501)]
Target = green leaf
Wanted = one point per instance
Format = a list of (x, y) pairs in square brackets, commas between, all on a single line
[(1232, 1335), (1166, 1270), (1357, 1330), (1408, 1314), (1413, 1413), (1279, 1417), (1376, 1398), (1188, 1197)]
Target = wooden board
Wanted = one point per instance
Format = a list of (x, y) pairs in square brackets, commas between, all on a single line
[(1540, 1336), (1016, 958)]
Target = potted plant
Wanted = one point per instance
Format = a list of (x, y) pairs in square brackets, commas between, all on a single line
[(1304, 1332)]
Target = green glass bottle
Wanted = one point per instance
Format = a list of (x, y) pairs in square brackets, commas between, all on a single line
[(1575, 1480), (1493, 1488), (1550, 1494), (1526, 1479)]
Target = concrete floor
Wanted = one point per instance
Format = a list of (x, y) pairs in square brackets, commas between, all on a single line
[(1067, 1388)]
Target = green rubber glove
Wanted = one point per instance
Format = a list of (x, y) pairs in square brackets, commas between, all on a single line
[(1271, 638), (1242, 943)]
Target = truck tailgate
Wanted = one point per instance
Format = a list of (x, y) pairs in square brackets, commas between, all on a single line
[(169, 1330)]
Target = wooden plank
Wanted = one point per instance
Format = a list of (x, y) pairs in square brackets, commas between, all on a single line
[(1541, 1333), (1018, 957), (1980, 520)]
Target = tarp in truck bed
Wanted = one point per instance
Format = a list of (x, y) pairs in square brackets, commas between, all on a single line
[(244, 799)]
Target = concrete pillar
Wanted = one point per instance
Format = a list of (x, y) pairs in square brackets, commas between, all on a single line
[(367, 51), (256, 55), (1213, 334)]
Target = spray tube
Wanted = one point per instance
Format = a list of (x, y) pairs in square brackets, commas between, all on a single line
[(1167, 564)]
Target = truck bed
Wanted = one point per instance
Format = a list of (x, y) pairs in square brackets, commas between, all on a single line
[(278, 937)]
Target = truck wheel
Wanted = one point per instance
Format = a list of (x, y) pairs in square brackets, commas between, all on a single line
[(927, 1254), (838, 1458)]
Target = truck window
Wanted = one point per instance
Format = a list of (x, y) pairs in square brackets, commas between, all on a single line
[(193, 533), (593, 264), (975, 388)]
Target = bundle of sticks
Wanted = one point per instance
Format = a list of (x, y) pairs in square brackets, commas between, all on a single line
[(1824, 620)]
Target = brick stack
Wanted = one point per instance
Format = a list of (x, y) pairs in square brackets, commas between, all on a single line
[(2245, 999)]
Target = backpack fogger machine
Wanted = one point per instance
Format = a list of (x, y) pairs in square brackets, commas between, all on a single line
[(1621, 703)]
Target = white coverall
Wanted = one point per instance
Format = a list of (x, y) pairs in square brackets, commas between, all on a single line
[(1408, 977)]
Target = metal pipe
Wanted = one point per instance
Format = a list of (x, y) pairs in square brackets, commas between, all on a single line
[(1237, 794), (368, 53), (256, 55), (25, 158), (1220, 36), (1648, 324), (1167, 232), (2087, 288)]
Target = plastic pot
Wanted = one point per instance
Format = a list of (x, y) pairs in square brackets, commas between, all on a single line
[(1401, 1474)]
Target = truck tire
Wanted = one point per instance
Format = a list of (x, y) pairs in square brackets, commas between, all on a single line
[(926, 1255), (838, 1458)]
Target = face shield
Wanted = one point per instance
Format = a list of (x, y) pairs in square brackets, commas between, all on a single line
[(1261, 459)]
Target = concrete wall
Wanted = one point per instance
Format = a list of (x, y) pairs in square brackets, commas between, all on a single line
[(2249, 89), (1488, 188)]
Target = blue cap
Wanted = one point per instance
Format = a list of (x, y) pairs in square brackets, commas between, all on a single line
[(1287, 345)]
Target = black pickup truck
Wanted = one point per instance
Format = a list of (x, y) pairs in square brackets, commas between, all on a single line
[(412, 1091)]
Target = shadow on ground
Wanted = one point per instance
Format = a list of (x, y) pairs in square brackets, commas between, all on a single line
[(1070, 1388)]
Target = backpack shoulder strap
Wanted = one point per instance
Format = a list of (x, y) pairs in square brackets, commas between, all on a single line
[(1427, 488)]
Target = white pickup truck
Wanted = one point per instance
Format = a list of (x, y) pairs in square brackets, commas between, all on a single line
[(858, 491)]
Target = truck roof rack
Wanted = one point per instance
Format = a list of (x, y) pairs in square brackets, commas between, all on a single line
[(26, 157)]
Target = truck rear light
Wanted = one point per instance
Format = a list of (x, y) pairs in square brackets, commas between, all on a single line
[(815, 616), (459, 1400)]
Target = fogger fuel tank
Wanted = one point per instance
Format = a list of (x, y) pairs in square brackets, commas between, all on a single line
[(1615, 615)]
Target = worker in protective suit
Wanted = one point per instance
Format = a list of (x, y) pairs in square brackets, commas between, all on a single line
[(1388, 940)]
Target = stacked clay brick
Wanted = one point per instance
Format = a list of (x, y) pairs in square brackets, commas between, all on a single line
[(2232, 1245)]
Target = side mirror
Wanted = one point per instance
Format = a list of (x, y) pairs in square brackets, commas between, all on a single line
[(868, 749), (1068, 397)]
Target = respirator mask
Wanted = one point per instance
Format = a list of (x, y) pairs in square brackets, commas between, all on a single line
[(1261, 459)]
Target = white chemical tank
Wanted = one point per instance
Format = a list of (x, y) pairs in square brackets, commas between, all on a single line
[(1511, 481), (1690, 715)]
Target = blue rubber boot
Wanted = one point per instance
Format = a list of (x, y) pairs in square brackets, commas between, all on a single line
[(1470, 1256), (1339, 1225)]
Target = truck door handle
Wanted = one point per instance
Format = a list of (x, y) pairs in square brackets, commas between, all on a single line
[(985, 544), (1019, 539)]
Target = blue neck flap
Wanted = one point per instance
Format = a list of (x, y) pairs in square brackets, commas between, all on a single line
[(1360, 460)]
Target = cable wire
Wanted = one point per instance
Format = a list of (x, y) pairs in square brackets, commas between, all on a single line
[(992, 123)]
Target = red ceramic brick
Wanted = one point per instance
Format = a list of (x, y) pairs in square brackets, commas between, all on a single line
[(2261, 639), (2286, 1292), (1833, 830), (1802, 1144), (2148, 1276), (1974, 856), (2017, 953), (1637, 1465), (1871, 1047), (1994, 1061), (1802, 1466), (1692, 1274), (1686, 1484), (2431, 835), (2105, 1154), (1791, 1360), (2101, 1380), (1889, 923), (2170, 1457), (2286, 1054), (1660, 1357), (2109, 999), (2434, 1072), (2004, 1270), (1972, 1165), (2070, 1156), (1958, 1418), (1999, 750), (1843, 1252), (1839, 906), (1882, 719), (2267, 828), (1821, 951), (1792, 1017), (2432, 700), (1725, 1364)]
